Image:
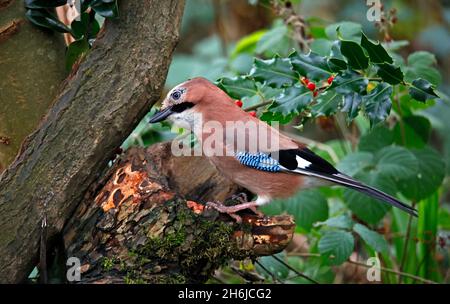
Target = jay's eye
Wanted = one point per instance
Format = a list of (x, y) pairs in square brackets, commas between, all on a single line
[(176, 95)]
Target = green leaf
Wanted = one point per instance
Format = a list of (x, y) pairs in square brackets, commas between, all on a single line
[(347, 30), (44, 3), (272, 39), (336, 60), (308, 207), (372, 238), (377, 104), (327, 104), (238, 87), (421, 65), (377, 138), (247, 44), (107, 9), (293, 100), (338, 244), (80, 27), (275, 72), (352, 105), (341, 222), (422, 90), (376, 51), (269, 116), (429, 175), (356, 162), (348, 83), (397, 162), (312, 66), (276, 268), (414, 133), (363, 206), (45, 19), (74, 51), (390, 73), (355, 55)]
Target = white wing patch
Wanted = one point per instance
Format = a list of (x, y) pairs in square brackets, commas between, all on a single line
[(302, 163)]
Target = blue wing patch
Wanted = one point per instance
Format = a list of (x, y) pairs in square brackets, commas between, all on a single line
[(259, 161)]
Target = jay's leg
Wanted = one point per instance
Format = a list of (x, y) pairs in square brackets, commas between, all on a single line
[(231, 210)]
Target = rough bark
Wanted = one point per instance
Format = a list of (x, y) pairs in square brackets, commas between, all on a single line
[(26, 53), (120, 78), (138, 230)]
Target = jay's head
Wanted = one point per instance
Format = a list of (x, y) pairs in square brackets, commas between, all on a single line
[(187, 99)]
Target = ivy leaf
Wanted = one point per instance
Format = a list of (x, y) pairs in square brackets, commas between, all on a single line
[(327, 104), (293, 100), (377, 138), (352, 105), (376, 51), (238, 87), (377, 104), (421, 64), (372, 238), (341, 221), (275, 72), (429, 175), (355, 55), (338, 244), (308, 207), (46, 19), (422, 90), (312, 66), (390, 73), (44, 3), (74, 51)]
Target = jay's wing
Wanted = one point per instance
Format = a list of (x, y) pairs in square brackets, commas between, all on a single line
[(304, 161)]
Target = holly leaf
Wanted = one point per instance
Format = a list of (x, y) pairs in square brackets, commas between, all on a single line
[(355, 55), (347, 30), (422, 90), (338, 244), (45, 19), (377, 104), (349, 82), (376, 51), (312, 66), (327, 104), (352, 105), (275, 72), (336, 62), (390, 73), (292, 100), (238, 87), (372, 238)]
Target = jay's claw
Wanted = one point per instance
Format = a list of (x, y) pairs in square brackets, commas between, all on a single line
[(231, 210)]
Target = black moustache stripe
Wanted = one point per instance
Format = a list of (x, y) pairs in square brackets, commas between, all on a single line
[(180, 107)]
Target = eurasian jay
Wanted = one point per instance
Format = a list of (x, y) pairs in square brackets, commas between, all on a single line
[(275, 172)]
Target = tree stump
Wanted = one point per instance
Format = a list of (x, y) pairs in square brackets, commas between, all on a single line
[(142, 226)]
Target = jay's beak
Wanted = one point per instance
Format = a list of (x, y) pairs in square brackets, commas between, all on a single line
[(161, 115)]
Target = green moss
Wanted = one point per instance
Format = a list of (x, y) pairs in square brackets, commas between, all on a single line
[(107, 263)]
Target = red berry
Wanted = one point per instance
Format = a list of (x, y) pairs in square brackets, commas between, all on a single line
[(305, 80), (330, 79), (238, 103), (252, 113), (315, 93), (311, 86)]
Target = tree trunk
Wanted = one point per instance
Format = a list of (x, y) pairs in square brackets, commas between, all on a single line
[(112, 89), (26, 53), (138, 230)]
